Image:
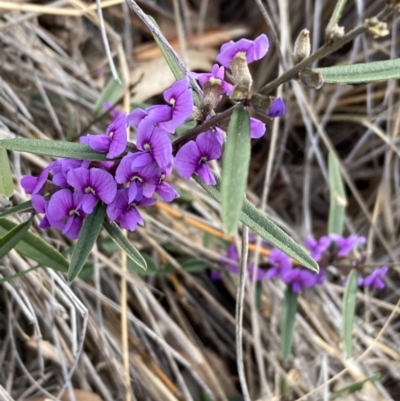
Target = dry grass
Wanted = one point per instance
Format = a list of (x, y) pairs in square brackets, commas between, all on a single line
[(180, 327)]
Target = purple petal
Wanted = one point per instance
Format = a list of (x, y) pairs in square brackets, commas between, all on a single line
[(130, 219), (209, 145), (104, 185), (259, 49), (166, 192), (79, 179), (277, 108), (187, 159), (117, 131), (159, 113), (39, 203), (118, 205), (73, 227), (99, 143), (59, 207), (205, 173), (88, 203), (257, 128), (29, 182)]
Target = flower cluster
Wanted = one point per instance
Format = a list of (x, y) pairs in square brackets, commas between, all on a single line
[(327, 248), (68, 190)]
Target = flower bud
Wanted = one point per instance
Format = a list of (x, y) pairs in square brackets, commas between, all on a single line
[(377, 28), (241, 77), (311, 79), (302, 46), (332, 34)]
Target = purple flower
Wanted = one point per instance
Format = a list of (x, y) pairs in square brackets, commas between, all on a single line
[(216, 77), (65, 213), (231, 253), (33, 185), (125, 212), (61, 167), (154, 140), (139, 173), (168, 117), (39, 204), (194, 155), (299, 279), (317, 248), (374, 279), (280, 262), (93, 184), (257, 128), (277, 108), (252, 49), (164, 189), (346, 245), (114, 141)]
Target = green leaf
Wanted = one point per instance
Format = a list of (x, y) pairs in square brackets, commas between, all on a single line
[(33, 247), (90, 231), (111, 93), (338, 200), (288, 320), (21, 208), (174, 67), (267, 229), (337, 13), (361, 73), (172, 64), (6, 180), (354, 387), (349, 309), (9, 240), (120, 239), (11, 277), (235, 169), (55, 149)]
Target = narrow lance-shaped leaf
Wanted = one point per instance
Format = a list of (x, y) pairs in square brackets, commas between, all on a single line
[(235, 169), (55, 149), (175, 68), (120, 239), (337, 13), (90, 231), (361, 73), (338, 200), (6, 181), (260, 224), (21, 208), (10, 240), (111, 93), (349, 309), (288, 320), (33, 247)]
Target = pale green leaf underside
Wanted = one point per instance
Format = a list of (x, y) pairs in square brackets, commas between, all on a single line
[(33, 247), (338, 200), (6, 181), (90, 231), (287, 323), (235, 169), (349, 308), (54, 149), (260, 224), (120, 239), (111, 93), (361, 73)]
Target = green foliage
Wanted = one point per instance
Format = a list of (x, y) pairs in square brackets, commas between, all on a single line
[(338, 200), (6, 181), (90, 231), (361, 73), (235, 169), (21, 208), (111, 93), (354, 388), (9, 240), (288, 320), (55, 149), (120, 239), (260, 224), (349, 309), (33, 247)]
